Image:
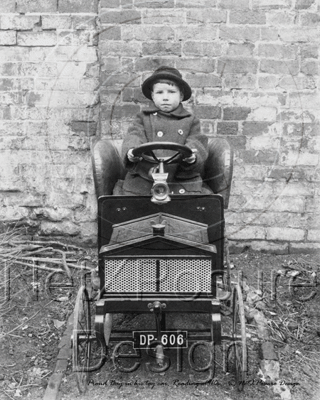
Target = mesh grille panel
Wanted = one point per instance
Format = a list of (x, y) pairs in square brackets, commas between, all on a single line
[(185, 275), (131, 275), (159, 274)]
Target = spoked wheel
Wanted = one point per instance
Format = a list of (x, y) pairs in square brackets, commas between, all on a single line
[(88, 352), (238, 349)]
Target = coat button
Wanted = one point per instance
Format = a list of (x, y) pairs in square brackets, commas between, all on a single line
[(180, 131), (160, 134), (181, 191)]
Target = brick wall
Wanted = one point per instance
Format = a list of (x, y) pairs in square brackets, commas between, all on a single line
[(254, 69), (49, 77)]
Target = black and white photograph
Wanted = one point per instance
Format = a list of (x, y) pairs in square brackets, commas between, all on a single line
[(159, 199)]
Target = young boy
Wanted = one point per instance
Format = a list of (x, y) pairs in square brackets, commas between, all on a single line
[(165, 121)]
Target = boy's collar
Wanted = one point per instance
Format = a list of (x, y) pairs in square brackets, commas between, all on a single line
[(179, 112)]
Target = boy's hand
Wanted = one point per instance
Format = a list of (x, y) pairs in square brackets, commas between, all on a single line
[(192, 159), (131, 157)]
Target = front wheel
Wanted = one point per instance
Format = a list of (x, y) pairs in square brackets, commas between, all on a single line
[(89, 353)]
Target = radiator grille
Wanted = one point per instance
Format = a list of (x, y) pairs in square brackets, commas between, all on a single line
[(158, 275)]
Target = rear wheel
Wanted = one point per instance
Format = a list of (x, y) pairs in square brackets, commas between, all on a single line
[(237, 357)]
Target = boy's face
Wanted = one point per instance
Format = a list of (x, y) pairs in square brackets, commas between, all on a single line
[(166, 97)]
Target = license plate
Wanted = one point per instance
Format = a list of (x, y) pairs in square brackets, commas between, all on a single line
[(171, 339)]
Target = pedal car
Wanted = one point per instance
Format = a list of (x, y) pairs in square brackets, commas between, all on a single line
[(159, 254)]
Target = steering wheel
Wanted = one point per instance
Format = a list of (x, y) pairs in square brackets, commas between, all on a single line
[(181, 152)]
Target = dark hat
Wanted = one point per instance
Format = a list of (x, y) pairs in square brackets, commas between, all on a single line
[(166, 73)]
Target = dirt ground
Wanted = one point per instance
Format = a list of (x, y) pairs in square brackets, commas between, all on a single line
[(32, 323)]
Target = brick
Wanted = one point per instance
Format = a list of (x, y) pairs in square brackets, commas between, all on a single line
[(310, 67), (240, 49), (13, 213), (279, 67), (290, 220), (305, 248), (206, 49), (266, 157), (207, 112), (309, 50), (298, 158), (270, 247), (119, 80), (208, 127), (19, 22), (74, 6), (297, 83), (269, 4), (234, 66), (8, 38), (84, 22), (155, 4), (118, 112), (310, 19), (87, 127), (313, 235), (160, 48), (151, 63), (307, 101), (268, 81), (295, 35), (277, 18), (237, 142), (246, 233), (198, 4), (263, 142), (7, 6), (75, 38), (71, 54), (239, 81), (27, 6), (269, 34), (65, 228), (206, 16), (303, 4), (285, 174), (250, 172), (252, 128), (207, 95), (236, 113), (282, 233), (195, 32), (146, 33), (89, 232), (56, 21), (120, 17), (7, 69), (45, 38), (239, 33), (110, 3), (16, 54), (264, 114), (227, 128), (126, 49), (294, 188), (247, 17), (163, 17), (196, 65), (278, 51), (126, 3), (234, 4)]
